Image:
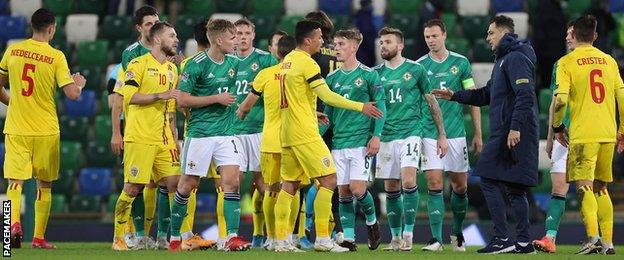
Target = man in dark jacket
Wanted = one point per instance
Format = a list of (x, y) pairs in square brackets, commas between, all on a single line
[(509, 160)]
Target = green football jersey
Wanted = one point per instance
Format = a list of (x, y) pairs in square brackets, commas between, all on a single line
[(453, 73), (248, 68), (133, 51), (204, 77), (404, 87), (553, 87), (353, 129)]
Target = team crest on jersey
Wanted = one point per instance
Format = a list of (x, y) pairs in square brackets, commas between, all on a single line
[(129, 75), (407, 76), (134, 171), (358, 82), (326, 162), (231, 72), (454, 70), (170, 75), (255, 66), (191, 165)]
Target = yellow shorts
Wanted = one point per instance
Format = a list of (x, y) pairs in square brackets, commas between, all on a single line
[(270, 165), (590, 161), (32, 156), (212, 172), (311, 160), (143, 162)]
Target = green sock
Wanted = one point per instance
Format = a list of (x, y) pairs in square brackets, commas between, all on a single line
[(435, 210), (231, 208), (411, 200), (138, 214), (178, 212), (553, 218), (368, 206), (394, 208), (459, 205), (346, 209), (164, 212)]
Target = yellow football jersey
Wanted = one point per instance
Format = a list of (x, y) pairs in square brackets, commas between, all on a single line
[(267, 82), (149, 124), (590, 78), (35, 70), (299, 75)]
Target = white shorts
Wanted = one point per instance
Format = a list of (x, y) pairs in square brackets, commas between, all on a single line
[(352, 164), (559, 158), (455, 160), (397, 154), (250, 152), (198, 153)]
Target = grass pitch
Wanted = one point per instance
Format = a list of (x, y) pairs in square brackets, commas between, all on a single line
[(91, 251)]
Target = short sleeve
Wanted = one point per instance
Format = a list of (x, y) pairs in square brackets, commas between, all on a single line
[(466, 77), (268, 61), (133, 77), (188, 78), (4, 63), (312, 74), (62, 74), (261, 80), (376, 90), (563, 79)]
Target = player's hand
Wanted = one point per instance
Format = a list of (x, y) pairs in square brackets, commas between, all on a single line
[(117, 144), (549, 148), (620, 143), (371, 110), (322, 118), (177, 59), (477, 144), (513, 138), (562, 138), (225, 98), (442, 145), (79, 80), (443, 93), (241, 114), (169, 94), (372, 148)]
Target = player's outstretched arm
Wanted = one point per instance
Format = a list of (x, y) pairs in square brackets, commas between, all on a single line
[(476, 97), (145, 99), (333, 99), (4, 96), (436, 114), (186, 100)]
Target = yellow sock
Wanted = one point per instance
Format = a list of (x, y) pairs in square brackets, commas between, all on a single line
[(294, 212), (332, 223), (42, 211), (149, 196), (221, 215), (187, 223), (302, 219), (258, 213), (282, 212), (130, 224), (322, 211), (268, 205), (123, 205), (14, 194), (605, 215), (589, 210)]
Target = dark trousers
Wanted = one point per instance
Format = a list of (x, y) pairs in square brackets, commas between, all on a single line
[(493, 191)]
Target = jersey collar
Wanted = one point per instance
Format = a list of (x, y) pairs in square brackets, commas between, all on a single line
[(347, 72), (253, 49), (448, 53), (387, 64)]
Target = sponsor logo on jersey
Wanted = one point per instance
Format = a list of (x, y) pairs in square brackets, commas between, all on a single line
[(211, 75), (383, 79), (429, 73)]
